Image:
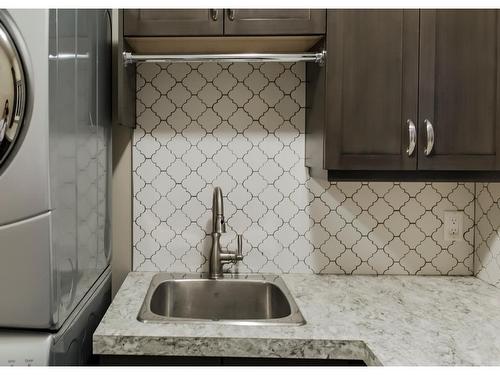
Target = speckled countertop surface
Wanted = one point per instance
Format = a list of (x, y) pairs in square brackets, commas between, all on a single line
[(382, 320)]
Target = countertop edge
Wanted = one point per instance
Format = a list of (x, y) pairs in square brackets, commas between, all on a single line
[(234, 347)]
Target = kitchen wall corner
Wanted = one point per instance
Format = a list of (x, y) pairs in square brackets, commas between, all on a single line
[(487, 237)]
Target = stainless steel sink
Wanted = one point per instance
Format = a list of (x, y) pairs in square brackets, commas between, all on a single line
[(235, 299)]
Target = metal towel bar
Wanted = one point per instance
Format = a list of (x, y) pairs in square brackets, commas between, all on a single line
[(316, 57)]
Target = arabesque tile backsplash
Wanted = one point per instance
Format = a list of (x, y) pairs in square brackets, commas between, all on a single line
[(241, 127)]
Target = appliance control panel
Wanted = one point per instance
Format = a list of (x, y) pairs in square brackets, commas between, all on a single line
[(21, 348)]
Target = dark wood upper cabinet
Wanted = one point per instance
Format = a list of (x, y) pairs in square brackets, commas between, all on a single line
[(439, 69), (459, 93), (274, 21), (372, 81), (218, 22), (173, 22)]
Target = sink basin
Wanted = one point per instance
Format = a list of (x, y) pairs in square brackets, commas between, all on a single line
[(235, 299)]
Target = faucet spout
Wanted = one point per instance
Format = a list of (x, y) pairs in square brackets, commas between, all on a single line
[(218, 222)]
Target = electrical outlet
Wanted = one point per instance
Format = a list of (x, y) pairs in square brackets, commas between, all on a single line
[(453, 226)]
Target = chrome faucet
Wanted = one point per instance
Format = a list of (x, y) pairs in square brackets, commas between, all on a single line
[(217, 257)]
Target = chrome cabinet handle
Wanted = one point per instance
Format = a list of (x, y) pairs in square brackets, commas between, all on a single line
[(214, 14), (430, 137), (412, 137), (230, 14)]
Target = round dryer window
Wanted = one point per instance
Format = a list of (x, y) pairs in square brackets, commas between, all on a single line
[(12, 94)]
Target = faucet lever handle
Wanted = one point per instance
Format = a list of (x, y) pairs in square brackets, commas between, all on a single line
[(239, 251)]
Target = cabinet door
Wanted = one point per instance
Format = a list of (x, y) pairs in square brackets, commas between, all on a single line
[(274, 21), (459, 90), (371, 89), (172, 22)]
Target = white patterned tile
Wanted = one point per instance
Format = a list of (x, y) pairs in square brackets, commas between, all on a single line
[(179, 95), (225, 81), (163, 158), (148, 146), (412, 262), (178, 221), (287, 107), (348, 261), (271, 120), (396, 223), (240, 94), (194, 82), (239, 222), (209, 120), (148, 196), (163, 107), (147, 221), (256, 81), (163, 82), (241, 127), (286, 184), (225, 181), (240, 120), (193, 183), (396, 197), (428, 197), (209, 145), (147, 246), (240, 145), (365, 197), (380, 261), (239, 196), (271, 94), (148, 95), (163, 233), (240, 71), (148, 71), (225, 108), (364, 248), (270, 196), (413, 210), (163, 208), (194, 107), (381, 210), (210, 70), (178, 170), (288, 81), (194, 209), (224, 158), (270, 171), (286, 210), (255, 209), (147, 171)]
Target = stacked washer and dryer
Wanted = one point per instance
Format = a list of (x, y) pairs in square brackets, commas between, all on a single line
[(55, 124)]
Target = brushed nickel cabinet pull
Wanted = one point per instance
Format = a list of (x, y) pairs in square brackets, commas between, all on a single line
[(412, 137), (230, 14), (214, 14), (430, 137)]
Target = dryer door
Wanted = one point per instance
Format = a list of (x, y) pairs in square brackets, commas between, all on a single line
[(12, 95), (24, 151)]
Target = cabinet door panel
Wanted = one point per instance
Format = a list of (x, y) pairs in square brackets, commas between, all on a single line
[(172, 22), (372, 88), (274, 21), (459, 87)]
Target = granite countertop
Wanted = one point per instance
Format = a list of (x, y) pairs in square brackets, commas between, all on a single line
[(382, 320)]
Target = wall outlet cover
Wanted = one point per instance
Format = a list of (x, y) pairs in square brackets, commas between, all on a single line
[(453, 225)]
